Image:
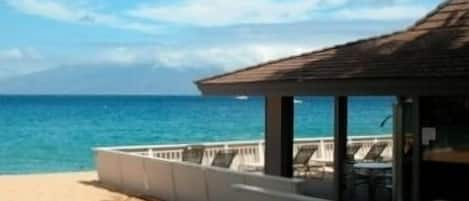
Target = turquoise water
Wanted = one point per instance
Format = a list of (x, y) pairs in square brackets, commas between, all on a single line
[(56, 133)]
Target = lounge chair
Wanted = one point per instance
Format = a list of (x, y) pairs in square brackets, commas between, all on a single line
[(357, 177), (352, 149), (193, 154), (302, 165), (224, 158), (374, 154)]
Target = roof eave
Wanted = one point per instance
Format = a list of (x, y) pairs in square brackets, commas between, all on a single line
[(345, 87)]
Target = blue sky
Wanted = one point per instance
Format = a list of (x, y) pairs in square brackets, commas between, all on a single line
[(37, 35)]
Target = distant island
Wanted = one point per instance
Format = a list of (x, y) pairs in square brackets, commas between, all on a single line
[(102, 80)]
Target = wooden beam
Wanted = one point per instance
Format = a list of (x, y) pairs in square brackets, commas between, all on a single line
[(340, 145), (343, 87), (279, 120)]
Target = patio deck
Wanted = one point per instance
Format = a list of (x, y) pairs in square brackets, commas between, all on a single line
[(157, 170)]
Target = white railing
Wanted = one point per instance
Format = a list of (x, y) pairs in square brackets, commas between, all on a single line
[(250, 152)]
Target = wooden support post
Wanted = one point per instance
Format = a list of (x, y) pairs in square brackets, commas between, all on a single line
[(279, 120), (417, 149), (340, 145), (398, 150)]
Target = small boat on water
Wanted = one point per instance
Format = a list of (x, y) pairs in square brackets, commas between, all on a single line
[(242, 97)]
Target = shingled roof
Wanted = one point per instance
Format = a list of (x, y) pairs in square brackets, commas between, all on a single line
[(428, 58)]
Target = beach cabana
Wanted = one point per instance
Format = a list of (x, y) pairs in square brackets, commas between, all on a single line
[(426, 67)]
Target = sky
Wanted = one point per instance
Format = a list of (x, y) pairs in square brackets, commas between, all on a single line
[(39, 35)]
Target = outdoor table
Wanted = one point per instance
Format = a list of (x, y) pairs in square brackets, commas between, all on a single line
[(372, 170)]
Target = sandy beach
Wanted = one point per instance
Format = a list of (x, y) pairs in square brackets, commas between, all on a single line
[(77, 186)]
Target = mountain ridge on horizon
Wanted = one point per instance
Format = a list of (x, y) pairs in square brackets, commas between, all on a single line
[(107, 80)]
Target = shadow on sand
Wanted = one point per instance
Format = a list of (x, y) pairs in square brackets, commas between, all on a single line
[(128, 196)]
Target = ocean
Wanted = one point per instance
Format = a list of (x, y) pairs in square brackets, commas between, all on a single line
[(56, 133)]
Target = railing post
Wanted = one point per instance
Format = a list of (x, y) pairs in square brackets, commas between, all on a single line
[(323, 150), (260, 151), (150, 152)]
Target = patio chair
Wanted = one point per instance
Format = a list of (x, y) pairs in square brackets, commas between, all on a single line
[(224, 158), (352, 149), (193, 154), (374, 154), (301, 162), (357, 177)]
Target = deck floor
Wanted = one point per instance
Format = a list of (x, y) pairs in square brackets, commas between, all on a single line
[(324, 188)]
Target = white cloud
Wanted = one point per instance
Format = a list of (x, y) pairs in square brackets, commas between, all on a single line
[(226, 57), (119, 55), (10, 54), (228, 12), (150, 18), (396, 12), (77, 13), (18, 55), (17, 61), (225, 47)]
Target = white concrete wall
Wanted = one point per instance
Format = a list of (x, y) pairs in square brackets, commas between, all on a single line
[(108, 168), (291, 185), (133, 178), (320, 188), (189, 182), (179, 181), (254, 193), (160, 179), (219, 182)]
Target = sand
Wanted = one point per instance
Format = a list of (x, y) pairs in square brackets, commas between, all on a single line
[(79, 186)]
